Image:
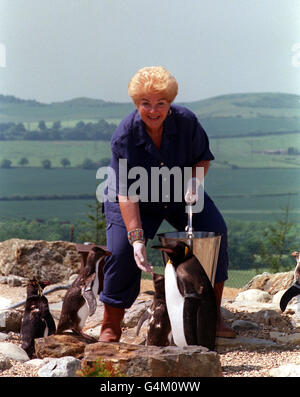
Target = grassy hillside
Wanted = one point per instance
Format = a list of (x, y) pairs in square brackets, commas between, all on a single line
[(222, 115), (229, 152), (248, 194)]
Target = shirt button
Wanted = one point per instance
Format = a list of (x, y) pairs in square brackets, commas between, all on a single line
[(162, 163), (165, 206)]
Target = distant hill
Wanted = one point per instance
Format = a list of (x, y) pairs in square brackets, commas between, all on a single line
[(232, 114)]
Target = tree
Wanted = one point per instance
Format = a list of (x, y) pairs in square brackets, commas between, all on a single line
[(277, 243), (42, 125), (5, 163), (56, 125), (46, 164), (88, 164), (94, 229), (23, 161), (65, 162)]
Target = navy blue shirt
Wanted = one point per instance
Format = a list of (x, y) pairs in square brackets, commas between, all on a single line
[(184, 143)]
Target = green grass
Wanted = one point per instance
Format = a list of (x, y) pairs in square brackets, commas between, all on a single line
[(239, 151), (249, 194), (37, 151), (227, 152), (236, 278)]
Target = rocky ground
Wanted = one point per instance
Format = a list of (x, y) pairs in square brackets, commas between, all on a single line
[(240, 360)]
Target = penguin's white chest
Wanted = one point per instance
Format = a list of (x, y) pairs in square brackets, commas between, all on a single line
[(83, 312), (175, 305), (96, 281)]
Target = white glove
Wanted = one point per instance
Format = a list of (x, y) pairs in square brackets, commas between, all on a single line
[(140, 256), (191, 195)]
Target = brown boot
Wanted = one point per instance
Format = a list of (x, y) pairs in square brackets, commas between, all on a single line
[(223, 330), (111, 325)]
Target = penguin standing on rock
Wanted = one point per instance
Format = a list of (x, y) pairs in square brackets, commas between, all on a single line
[(190, 298), (80, 299), (37, 321), (159, 327), (294, 289)]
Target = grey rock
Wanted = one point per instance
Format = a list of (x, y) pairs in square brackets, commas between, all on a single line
[(54, 261), (10, 320), (133, 314), (226, 314), (3, 336), (244, 342), (290, 339), (243, 324), (154, 361), (13, 351), (60, 367), (4, 363), (16, 281)]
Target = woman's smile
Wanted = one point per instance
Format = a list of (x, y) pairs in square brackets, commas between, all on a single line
[(153, 109)]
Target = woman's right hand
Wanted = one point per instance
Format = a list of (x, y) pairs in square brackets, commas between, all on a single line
[(140, 256)]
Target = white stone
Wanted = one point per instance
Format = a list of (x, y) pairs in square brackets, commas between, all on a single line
[(287, 370), (13, 351), (36, 362), (60, 367), (4, 303), (253, 295)]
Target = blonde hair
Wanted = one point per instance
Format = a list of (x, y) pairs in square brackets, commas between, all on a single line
[(152, 79)]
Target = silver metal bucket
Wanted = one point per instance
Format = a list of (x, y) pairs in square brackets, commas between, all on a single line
[(205, 245)]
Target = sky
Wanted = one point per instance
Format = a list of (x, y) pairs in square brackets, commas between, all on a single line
[(55, 50)]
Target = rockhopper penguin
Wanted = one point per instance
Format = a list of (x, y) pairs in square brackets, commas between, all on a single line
[(37, 321), (80, 299), (159, 327), (190, 298), (294, 289)]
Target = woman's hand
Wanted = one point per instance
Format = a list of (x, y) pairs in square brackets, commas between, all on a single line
[(140, 256), (191, 195)]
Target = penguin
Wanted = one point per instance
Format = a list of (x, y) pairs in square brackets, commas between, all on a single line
[(159, 328), (294, 289), (37, 321), (190, 298), (80, 299)]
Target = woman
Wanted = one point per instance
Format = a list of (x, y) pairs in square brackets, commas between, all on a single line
[(157, 134)]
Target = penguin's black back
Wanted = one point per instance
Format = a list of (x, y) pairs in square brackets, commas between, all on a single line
[(200, 308)]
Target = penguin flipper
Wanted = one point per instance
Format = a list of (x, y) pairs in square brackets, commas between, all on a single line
[(207, 324), (90, 299), (145, 316), (294, 290), (50, 323), (87, 293), (190, 310)]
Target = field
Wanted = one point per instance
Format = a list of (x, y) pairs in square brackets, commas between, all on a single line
[(229, 152), (250, 194), (37, 151)]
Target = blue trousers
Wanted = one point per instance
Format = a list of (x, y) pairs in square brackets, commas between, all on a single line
[(122, 276)]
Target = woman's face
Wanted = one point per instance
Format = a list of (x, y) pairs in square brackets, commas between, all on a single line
[(153, 109)]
